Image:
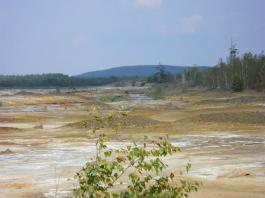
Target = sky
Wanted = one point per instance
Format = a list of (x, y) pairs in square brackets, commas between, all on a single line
[(76, 36)]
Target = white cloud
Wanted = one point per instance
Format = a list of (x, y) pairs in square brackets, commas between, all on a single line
[(148, 3), (78, 41), (189, 24)]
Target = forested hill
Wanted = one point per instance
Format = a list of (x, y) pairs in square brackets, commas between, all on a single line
[(138, 70)]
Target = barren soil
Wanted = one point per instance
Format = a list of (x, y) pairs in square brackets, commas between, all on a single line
[(222, 135)]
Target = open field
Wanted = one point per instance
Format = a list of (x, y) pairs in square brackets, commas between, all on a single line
[(42, 144)]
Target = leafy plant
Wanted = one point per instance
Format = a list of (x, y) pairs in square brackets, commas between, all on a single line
[(141, 166)]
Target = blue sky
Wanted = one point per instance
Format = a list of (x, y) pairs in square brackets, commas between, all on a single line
[(75, 36)]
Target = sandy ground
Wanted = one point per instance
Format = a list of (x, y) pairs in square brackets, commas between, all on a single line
[(222, 135)]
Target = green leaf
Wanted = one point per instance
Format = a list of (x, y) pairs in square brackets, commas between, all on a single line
[(107, 153), (188, 167)]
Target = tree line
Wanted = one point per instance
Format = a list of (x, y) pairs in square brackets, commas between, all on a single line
[(52, 80), (237, 73)]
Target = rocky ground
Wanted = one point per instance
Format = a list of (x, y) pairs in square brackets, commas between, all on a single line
[(42, 144)]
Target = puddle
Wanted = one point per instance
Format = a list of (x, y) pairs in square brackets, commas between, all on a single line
[(44, 125), (18, 125), (215, 141), (140, 97), (57, 193), (33, 108), (212, 172)]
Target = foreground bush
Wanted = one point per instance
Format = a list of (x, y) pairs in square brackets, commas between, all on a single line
[(141, 166)]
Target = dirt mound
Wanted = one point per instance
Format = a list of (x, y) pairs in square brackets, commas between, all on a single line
[(38, 126), (139, 121), (239, 117), (7, 143), (237, 100), (8, 129), (72, 125), (131, 121), (26, 93), (236, 173), (6, 152)]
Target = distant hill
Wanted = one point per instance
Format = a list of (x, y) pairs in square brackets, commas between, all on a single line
[(138, 70)]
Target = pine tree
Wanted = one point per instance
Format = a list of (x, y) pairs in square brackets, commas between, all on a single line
[(237, 84)]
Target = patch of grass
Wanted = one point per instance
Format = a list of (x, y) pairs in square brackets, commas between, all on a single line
[(111, 98)]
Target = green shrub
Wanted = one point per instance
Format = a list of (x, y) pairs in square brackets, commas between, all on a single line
[(157, 93), (237, 84), (141, 165), (142, 84)]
